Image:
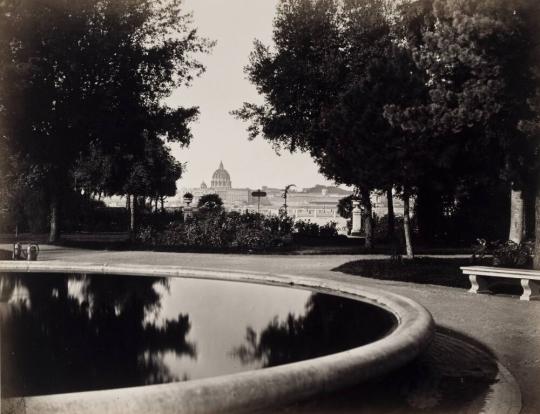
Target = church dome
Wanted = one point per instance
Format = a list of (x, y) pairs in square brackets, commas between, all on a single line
[(204, 186), (221, 178)]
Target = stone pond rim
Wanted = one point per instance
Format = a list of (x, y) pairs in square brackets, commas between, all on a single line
[(251, 390)]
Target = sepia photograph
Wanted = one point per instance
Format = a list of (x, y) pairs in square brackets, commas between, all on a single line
[(269, 206)]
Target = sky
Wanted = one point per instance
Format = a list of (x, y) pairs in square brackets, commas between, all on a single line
[(217, 135)]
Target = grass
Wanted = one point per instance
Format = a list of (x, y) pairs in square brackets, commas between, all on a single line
[(424, 270)]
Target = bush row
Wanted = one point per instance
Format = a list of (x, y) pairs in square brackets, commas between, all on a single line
[(220, 230)]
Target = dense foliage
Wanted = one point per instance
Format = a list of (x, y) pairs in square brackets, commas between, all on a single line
[(218, 230), (306, 229), (325, 83), (435, 99), (210, 202), (81, 97), (507, 253)]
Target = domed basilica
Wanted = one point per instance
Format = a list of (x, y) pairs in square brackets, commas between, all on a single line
[(221, 178), (222, 186), (317, 204)]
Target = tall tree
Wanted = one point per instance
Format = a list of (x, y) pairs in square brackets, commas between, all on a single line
[(92, 71), (476, 56), (531, 128), (332, 70)]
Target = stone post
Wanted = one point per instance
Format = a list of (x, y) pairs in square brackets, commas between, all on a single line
[(187, 210), (356, 219)]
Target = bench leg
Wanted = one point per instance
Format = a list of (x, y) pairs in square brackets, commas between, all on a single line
[(478, 284), (531, 290)]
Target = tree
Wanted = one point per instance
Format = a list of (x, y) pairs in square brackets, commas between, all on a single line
[(476, 56), (210, 203), (76, 74), (532, 129), (326, 83), (344, 207)]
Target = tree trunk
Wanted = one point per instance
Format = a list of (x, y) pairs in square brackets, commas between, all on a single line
[(162, 199), (429, 213), (368, 217), (529, 208), (132, 208), (128, 211), (536, 261), (517, 215), (407, 227), (54, 232), (390, 213)]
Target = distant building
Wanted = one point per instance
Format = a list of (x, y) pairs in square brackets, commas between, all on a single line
[(233, 198), (317, 204), (380, 204), (221, 180)]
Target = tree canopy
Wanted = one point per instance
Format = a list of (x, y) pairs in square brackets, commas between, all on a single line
[(333, 68), (477, 59), (87, 78), (210, 202), (425, 94)]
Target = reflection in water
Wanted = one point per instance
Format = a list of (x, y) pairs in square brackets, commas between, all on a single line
[(64, 333), (330, 324)]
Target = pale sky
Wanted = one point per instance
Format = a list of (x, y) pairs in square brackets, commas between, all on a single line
[(218, 136)]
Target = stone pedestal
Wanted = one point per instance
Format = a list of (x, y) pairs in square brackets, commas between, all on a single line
[(188, 212), (356, 219)]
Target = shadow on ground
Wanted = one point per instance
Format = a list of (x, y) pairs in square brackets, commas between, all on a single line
[(453, 375), (428, 270)]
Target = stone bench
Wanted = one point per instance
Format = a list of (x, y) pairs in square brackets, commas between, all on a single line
[(478, 275)]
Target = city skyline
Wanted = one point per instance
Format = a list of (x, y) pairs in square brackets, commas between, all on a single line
[(217, 135)]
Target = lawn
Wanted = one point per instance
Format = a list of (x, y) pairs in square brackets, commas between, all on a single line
[(422, 270)]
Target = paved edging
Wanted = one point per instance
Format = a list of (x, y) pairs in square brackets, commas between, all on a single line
[(504, 396), (455, 355), (247, 391)]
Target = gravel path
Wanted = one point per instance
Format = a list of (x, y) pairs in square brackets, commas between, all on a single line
[(506, 326)]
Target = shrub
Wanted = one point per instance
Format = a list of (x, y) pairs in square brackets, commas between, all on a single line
[(306, 229), (159, 220), (210, 202), (344, 207), (219, 230), (146, 234), (380, 228), (329, 230), (508, 253)]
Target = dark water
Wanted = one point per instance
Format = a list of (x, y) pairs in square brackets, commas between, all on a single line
[(67, 333)]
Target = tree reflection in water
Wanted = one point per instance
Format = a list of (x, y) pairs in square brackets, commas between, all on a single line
[(66, 333), (330, 324)]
